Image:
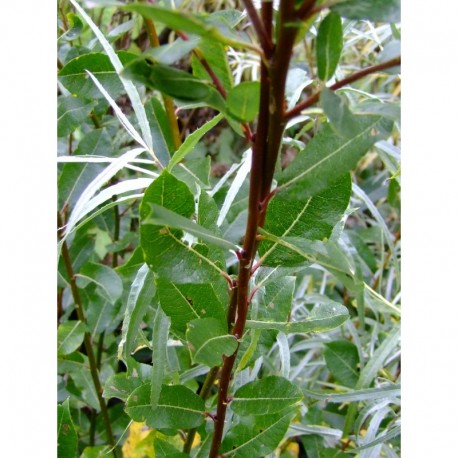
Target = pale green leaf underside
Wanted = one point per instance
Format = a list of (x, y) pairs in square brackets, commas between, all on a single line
[(323, 317)]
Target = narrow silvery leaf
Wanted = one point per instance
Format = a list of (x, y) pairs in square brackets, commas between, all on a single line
[(128, 85), (135, 309), (192, 140), (285, 357), (119, 114), (235, 186), (97, 183), (323, 317)]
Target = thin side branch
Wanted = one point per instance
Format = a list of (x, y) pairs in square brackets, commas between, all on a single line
[(87, 341), (264, 38), (296, 111)]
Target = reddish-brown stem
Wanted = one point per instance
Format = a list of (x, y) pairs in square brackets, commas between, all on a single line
[(348, 80), (274, 68), (259, 27), (87, 339)]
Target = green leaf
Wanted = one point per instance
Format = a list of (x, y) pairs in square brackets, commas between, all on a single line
[(141, 293), (312, 218), (161, 328), (375, 10), (329, 44), (171, 81), (165, 251), (342, 359), (85, 384), (70, 336), (170, 53), (277, 300), (208, 341), (186, 302), (323, 317), (243, 101), (120, 386), (178, 407), (109, 283), (160, 216), (154, 108), (266, 396), (131, 90), (256, 436), (327, 254), (75, 78), (204, 26), (216, 57), (75, 27), (328, 156), (162, 119), (192, 140), (98, 451), (342, 119), (71, 113), (74, 178), (67, 437), (314, 445)]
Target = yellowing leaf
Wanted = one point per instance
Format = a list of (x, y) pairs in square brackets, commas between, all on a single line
[(135, 446)]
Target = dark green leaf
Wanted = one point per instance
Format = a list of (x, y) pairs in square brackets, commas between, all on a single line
[(186, 302), (71, 113), (329, 156), (178, 407), (67, 437), (109, 283), (160, 216), (70, 336), (256, 436), (75, 27), (312, 218), (204, 26), (266, 396), (165, 251), (161, 146), (120, 386), (342, 359), (323, 317), (75, 78), (277, 300), (329, 44), (208, 341), (170, 53), (162, 119), (243, 101), (314, 445), (374, 10)]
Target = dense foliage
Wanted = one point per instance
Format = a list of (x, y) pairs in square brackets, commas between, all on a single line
[(229, 229)]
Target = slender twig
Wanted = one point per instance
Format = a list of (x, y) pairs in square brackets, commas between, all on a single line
[(204, 393), (264, 38), (87, 340), (348, 80)]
